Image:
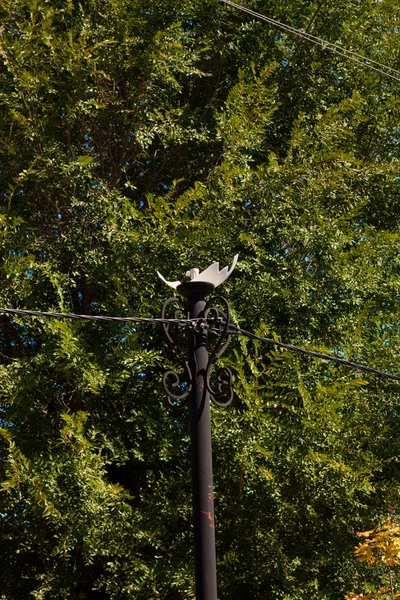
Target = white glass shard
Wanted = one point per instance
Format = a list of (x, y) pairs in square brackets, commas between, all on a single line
[(212, 274), (173, 284)]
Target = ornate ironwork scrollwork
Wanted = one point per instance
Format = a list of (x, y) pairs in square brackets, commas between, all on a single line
[(183, 383), (219, 324), (178, 387)]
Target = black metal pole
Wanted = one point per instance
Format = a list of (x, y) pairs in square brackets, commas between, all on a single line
[(202, 475), (198, 392)]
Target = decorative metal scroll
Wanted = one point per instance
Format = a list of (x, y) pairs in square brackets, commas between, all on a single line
[(221, 392), (219, 383), (177, 387)]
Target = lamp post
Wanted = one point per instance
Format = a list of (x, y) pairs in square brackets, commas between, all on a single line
[(195, 388)]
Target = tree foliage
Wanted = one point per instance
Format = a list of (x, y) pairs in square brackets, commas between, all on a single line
[(140, 136), (381, 547)]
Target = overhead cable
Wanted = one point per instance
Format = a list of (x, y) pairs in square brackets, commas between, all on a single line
[(335, 48), (55, 315), (320, 355), (185, 322)]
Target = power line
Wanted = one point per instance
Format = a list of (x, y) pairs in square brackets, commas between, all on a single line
[(185, 322), (55, 315), (320, 355), (335, 48)]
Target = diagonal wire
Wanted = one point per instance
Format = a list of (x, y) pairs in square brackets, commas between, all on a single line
[(335, 48), (342, 361), (56, 315), (202, 322)]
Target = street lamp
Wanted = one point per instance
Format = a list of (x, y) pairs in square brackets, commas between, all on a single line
[(195, 388)]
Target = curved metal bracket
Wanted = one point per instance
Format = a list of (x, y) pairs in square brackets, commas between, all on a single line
[(181, 383), (219, 323), (178, 387)]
